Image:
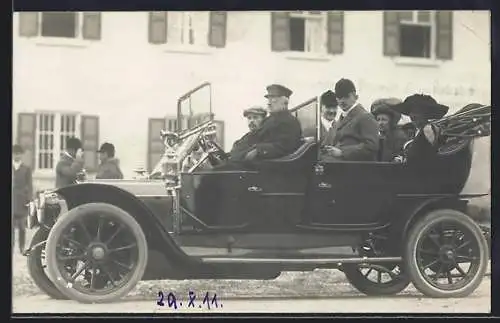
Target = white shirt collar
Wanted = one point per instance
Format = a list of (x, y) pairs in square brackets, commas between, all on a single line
[(16, 164), (326, 123), (67, 154), (345, 113)]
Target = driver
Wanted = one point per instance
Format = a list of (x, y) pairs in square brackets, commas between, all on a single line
[(279, 134), (255, 115)]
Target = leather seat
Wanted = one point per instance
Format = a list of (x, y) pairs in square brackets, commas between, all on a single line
[(307, 142)]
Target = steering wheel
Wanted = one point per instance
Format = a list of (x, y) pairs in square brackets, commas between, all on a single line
[(216, 155)]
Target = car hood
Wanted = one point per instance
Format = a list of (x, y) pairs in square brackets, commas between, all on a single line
[(137, 187)]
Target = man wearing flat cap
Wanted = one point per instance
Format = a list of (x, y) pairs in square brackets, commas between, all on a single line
[(255, 115), (329, 110), (421, 109), (356, 133), (391, 138), (280, 133)]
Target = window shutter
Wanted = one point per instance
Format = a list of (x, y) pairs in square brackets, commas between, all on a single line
[(335, 32), (444, 35), (219, 136), (158, 27), (92, 25), (218, 27), (155, 144), (26, 136), (90, 141), (28, 24), (280, 31), (391, 33)]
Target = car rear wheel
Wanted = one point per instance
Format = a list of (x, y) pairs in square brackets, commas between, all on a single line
[(96, 253), (376, 280), (446, 254), (36, 267)]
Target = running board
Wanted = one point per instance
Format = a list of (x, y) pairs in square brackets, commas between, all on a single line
[(319, 261)]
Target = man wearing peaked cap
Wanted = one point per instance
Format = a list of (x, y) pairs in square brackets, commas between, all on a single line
[(356, 133), (255, 115), (280, 134)]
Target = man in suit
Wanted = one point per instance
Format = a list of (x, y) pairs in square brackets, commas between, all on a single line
[(356, 133), (22, 193), (255, 116), (391, 138), (70, 166), (280, 133), (109, 167), (329, 111)]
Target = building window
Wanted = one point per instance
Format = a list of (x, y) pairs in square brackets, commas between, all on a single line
[(77, 25), (418, 34), (317, 32), (188, 28), (308, 31), (44, 136)]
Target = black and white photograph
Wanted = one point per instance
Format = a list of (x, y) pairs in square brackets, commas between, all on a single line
[(251, 162)]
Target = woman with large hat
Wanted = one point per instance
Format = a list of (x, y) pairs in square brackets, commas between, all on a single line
[(421, 109), (391, 139)]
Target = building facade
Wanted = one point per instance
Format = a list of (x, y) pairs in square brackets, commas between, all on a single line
[(116, 76)]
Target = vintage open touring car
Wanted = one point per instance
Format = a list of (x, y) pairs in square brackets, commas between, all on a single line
[(384, 224)]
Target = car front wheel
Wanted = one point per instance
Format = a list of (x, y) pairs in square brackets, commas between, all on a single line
[(446, 254), (96, 253)]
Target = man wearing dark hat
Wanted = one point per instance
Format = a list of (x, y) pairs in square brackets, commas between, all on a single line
[(70, 166), (421, 109), (329, 109), (22, 192), (109, 167), (280, 134), (255, 115), (356, 134), (391, 139)]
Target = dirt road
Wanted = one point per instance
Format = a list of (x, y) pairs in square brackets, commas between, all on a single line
[(410, 302)]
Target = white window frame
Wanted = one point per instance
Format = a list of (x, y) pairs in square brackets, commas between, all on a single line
[(57, 138), (77, 41), (307, 16), (195, 48), (431, 24)]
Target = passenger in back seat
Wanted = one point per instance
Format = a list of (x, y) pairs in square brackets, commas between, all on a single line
[(391, 139)]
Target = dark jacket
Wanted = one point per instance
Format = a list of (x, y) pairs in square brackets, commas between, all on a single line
[(242, 146), (67, 170), (279, 134), (22, 190), (356, 135), (392, 145), (109, 169)]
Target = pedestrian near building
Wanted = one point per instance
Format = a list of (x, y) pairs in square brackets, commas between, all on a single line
[(22, 193), (71, 163), (109, 168)]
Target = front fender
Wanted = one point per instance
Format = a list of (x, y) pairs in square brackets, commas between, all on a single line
[(157, 236)]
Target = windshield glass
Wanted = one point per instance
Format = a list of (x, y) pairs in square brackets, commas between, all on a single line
[(194, 107), (307, 113)]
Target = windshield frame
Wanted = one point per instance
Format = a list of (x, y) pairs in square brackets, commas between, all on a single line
[(188, 95)]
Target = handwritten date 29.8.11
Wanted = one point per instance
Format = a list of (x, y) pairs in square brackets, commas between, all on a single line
[(170, 300)]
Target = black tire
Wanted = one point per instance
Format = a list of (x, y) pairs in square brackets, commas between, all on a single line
[(445, 255), (116, 222), (36, 268), (368, 287)]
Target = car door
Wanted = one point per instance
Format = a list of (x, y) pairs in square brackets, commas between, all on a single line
[(351, 193)]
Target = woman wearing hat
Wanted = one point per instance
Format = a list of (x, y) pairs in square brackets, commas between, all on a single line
[(391, 139), (421, 109)]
